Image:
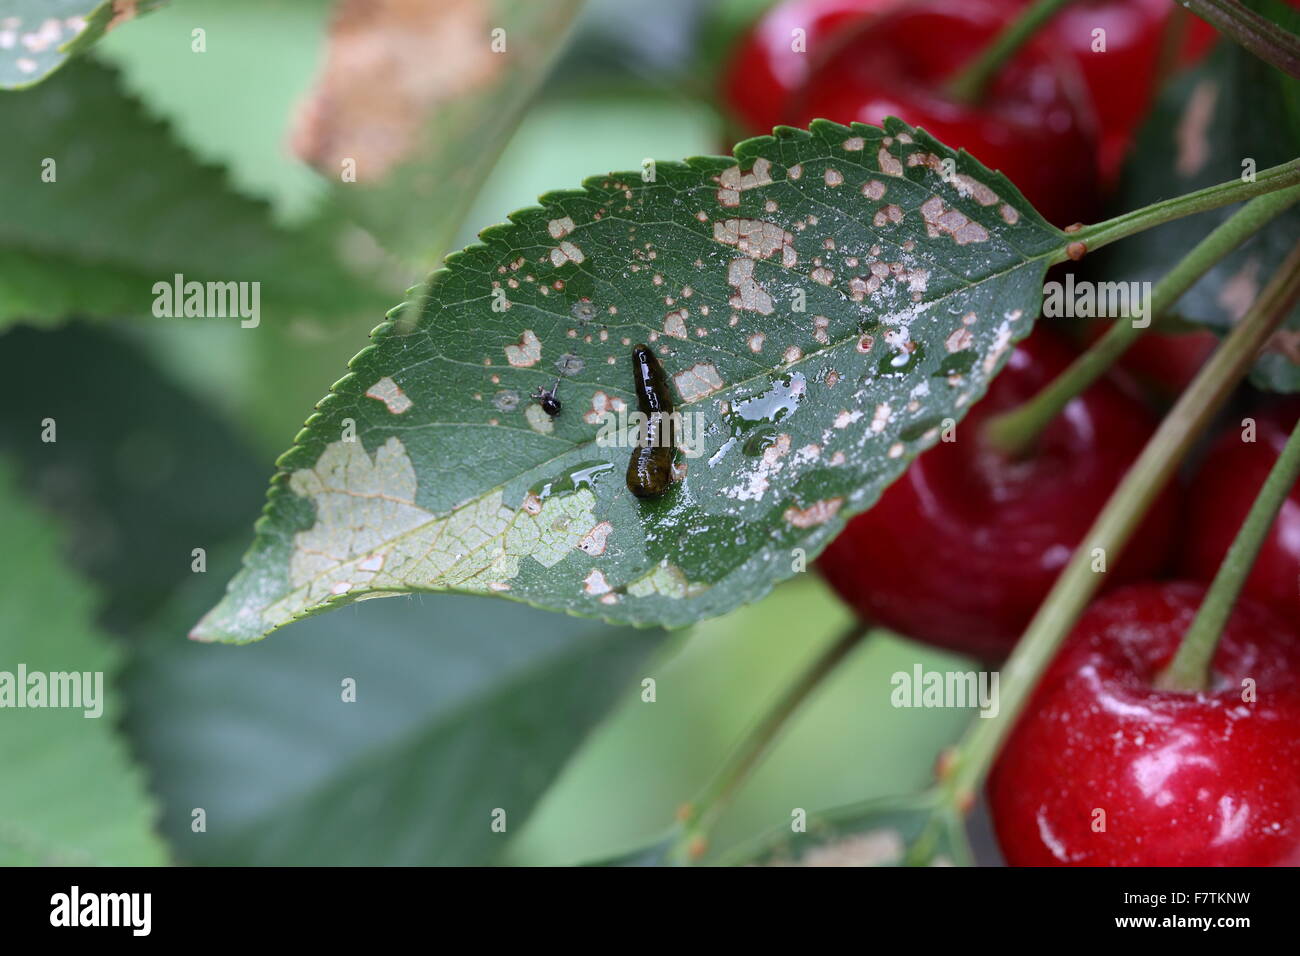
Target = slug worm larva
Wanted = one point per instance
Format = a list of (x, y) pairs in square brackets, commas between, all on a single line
[(650, 472)]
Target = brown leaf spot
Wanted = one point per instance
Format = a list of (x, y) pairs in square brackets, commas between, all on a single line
[(941, 219), (593, 542), (391, 394), (732, 182), (697, 381), (815, 514), (388, 65), (889, 165), (527, 352), (749, 294), (756, 238)]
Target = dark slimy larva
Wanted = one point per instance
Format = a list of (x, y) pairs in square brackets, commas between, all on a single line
[(650, 472)]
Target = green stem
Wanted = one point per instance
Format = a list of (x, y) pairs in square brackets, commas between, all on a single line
[(1126, 507), (702, 814), (1015, 431), (1261, 36), (969, 83), (1190, 668), (1091, 238)]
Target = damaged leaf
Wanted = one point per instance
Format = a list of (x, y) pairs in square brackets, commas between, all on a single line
[(38, 36), (823, 305)]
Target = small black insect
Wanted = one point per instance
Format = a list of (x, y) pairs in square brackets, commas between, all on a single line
[(546, 398), (650, 472)]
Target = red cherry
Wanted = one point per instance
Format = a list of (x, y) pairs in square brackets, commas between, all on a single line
[(962, 549), (765, 71), (1165, 362), (1170, 362), (1175, 778), (1199, 39), (1121, 78), (1224, 488), (1033, 123)]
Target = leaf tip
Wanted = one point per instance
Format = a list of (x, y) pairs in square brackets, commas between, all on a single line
[(205, 630)]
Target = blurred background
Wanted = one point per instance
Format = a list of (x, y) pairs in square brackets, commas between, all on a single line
[(224, 162)]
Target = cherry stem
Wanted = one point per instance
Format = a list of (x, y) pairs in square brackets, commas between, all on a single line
[(968, 85), (1260, 35), (1202, 200), (1124, 510), (1190, 668), (1015, 431), (757, 743)]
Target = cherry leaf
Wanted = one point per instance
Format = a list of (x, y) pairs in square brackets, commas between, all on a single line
[(38, 36), (825, 306), (71, 796)]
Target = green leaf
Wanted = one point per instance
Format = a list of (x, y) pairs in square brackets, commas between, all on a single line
[(913, 290), (132, 453), (896, 831), (1231, 110), (38, 36), (126, 208), (461, 708), (129, 208), (71, 796), (231, 105)]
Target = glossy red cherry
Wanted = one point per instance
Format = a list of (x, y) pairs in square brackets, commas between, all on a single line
[(1222, 492), (765, 70), (1104, 770), (1034, 122), (1121, 77), (961, 550), (1170, 362), (1165, 362)]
